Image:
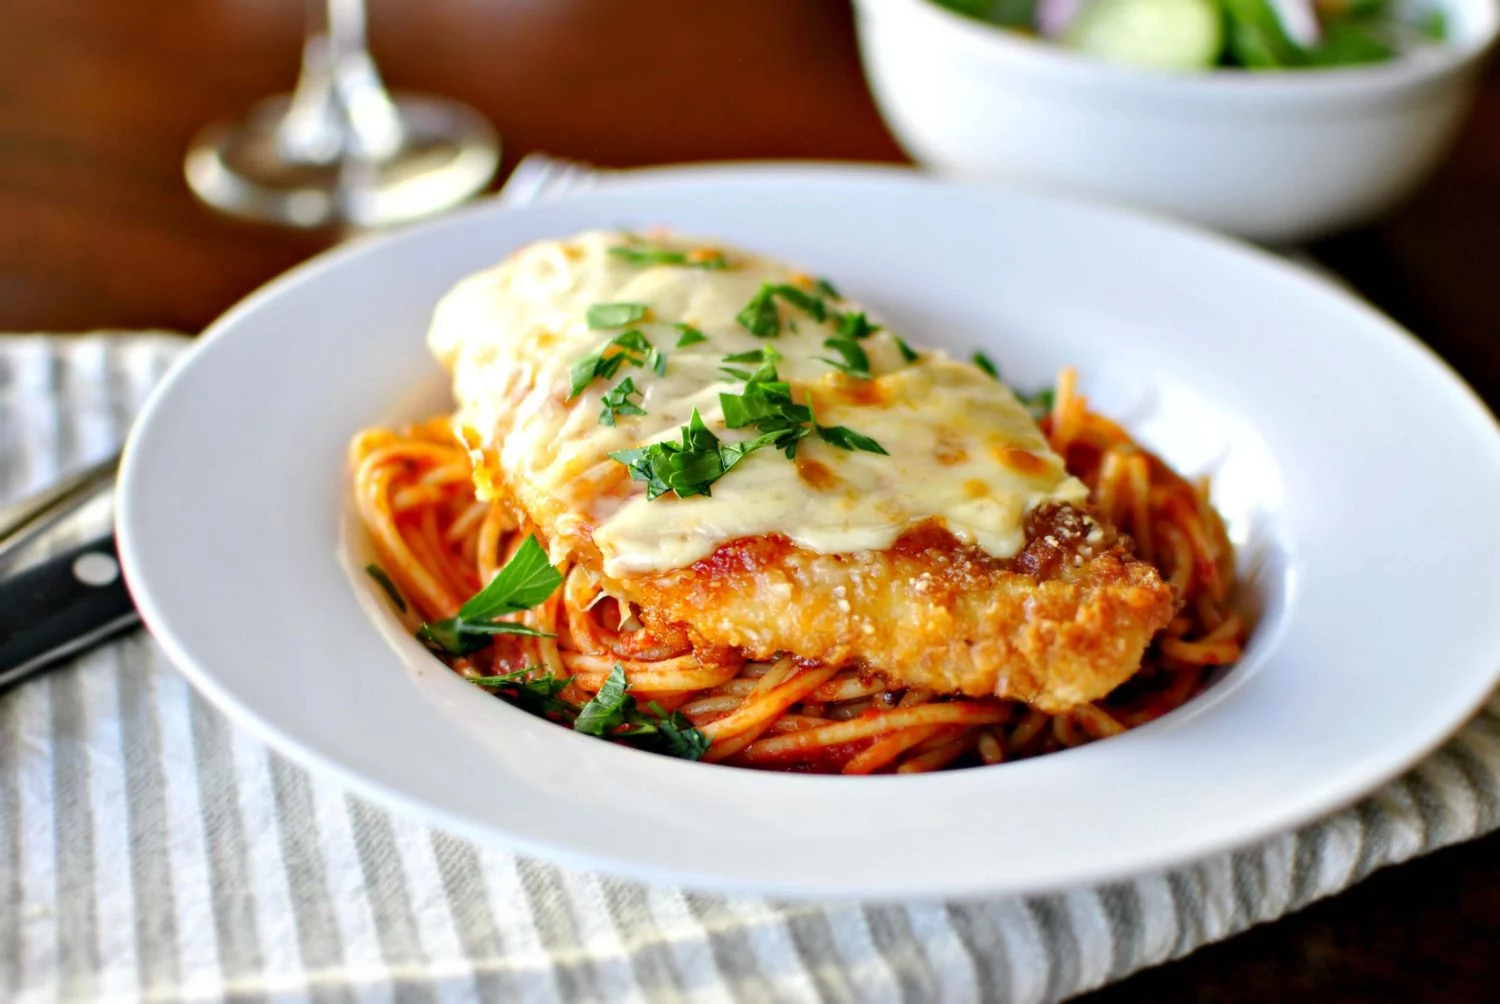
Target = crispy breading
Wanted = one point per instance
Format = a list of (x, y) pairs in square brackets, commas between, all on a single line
[(1062, 624)]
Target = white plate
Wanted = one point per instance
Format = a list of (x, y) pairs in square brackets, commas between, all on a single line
[(1360, 478)]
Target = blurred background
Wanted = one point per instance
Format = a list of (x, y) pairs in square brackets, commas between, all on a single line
[(99, 100)]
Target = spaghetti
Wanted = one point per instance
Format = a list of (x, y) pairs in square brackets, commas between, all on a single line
[(439, 546)]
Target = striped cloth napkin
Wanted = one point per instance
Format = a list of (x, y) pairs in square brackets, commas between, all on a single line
[(152, 850)]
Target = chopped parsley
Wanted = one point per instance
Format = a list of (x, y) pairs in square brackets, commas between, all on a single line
[(610, 714), (615, 315), (377, 573), (614, 714), (617, 402), (690, 336), (855, 362), (1039, 403), (526, 580), (767, 406), (907, 352), (847, 439), (685, 469), (537, 695), (759, 316), (765, 355), (635, 348), (691, 467), (606, 711), (812, 305), (825, 288), (854, 324), (641, 257)]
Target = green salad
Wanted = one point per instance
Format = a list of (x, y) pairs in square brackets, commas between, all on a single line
[(1185, 35)]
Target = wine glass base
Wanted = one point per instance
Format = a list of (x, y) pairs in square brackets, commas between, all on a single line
[(447, 153)]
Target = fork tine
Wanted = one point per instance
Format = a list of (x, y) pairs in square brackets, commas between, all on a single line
[(528, 179), (540, 178)]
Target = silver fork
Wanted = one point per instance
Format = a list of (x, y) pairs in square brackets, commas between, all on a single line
[(538, 178)]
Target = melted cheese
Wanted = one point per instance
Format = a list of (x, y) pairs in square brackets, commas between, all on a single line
[(962, 450)]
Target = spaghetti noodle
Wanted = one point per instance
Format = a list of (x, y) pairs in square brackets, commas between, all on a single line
[(440, 545)]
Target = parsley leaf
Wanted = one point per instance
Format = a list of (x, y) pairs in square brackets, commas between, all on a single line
[(805, 301), (855, 362), (1039, 403), (767, 405), (377, 573), (764, 404), (759, 316), (642, 257), (846, 438), (983, 362), (854, 324), (527, 579), (690, 336), (635, 348), (907, 352), (678, 736), (825, 288), (615, 315), (735, 373), (765, 355), (537, 695), (444, 638), (606, 710), (612, 714), (685, 469), (617, 402)]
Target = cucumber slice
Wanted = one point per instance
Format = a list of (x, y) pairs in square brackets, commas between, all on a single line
[(1154, 34)]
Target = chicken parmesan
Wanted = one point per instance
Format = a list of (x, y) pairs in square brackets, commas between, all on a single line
[(695, 500)]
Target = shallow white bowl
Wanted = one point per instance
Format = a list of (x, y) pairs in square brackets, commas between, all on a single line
[(1276, 157), (1358, 476)]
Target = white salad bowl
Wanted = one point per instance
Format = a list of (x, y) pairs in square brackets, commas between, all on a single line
[(1280, 156)]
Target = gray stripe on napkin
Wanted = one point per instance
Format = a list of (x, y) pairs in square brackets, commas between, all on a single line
[(10, 848), (814, 943), (891, 931), (233, 904), (985, 945), (390, 904), (1121, 903), (651, 963), (732, 948), (150, 865), (317, 929), (73, 830), (463, 884), (1051, 916), (552, 914)]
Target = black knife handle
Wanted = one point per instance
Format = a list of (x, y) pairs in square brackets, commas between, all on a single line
[(61, 607)]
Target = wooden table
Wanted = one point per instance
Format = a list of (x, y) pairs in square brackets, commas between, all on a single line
[(99, 98)]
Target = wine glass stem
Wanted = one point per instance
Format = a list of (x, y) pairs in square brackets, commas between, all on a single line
[(340, 109)]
